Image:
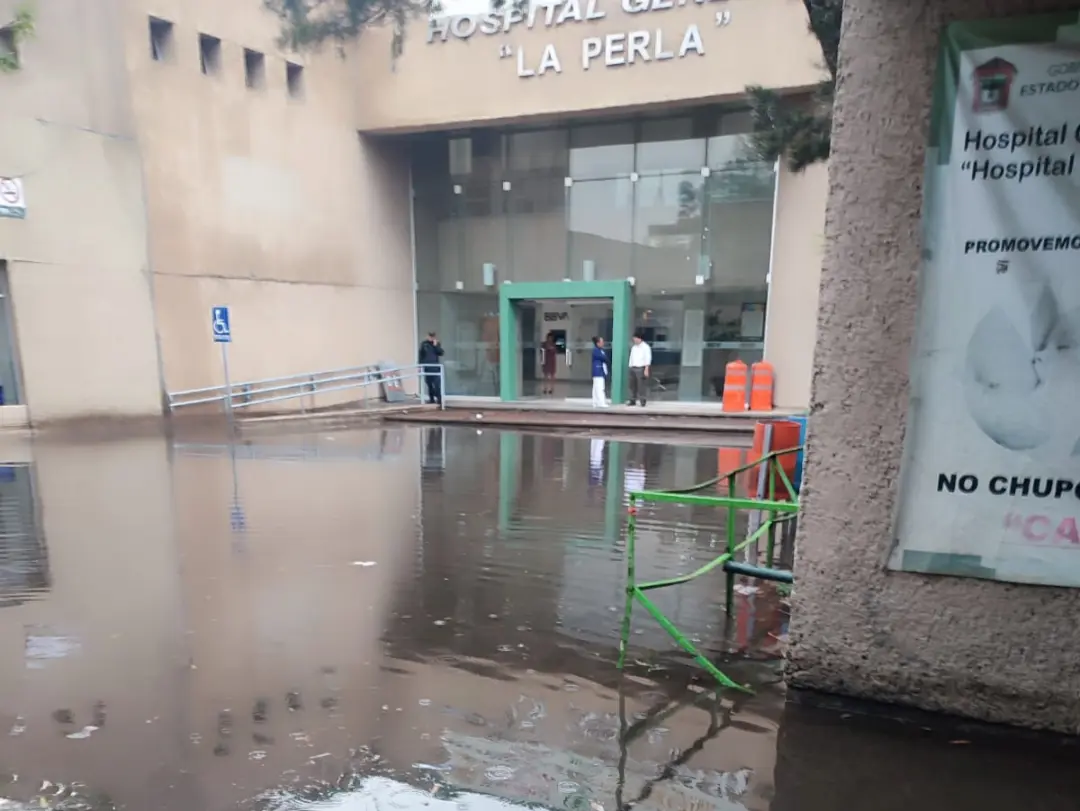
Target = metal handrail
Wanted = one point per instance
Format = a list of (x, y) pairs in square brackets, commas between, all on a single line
[(249, 393)]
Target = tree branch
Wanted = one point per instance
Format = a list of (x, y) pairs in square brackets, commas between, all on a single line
[(800, 132)]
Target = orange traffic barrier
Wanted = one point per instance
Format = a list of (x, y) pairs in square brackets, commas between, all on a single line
[(727, 461), (762, 382), (784, 435), (735, 386)]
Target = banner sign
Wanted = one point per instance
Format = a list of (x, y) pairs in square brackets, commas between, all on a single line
[(990, 484)]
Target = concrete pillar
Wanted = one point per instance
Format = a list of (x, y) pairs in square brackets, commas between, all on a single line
[(791, 320), (982, 649)]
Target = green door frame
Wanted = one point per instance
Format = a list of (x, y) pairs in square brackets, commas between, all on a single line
[(621, 294)]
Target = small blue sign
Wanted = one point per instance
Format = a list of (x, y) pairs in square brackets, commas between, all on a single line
[(220, 325)]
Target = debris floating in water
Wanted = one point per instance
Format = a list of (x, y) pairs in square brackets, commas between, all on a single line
[(85, 732), (431, 767), (364, 563), (499, 773)]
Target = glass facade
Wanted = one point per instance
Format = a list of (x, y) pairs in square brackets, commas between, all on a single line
[(10, 390), (672, 203)]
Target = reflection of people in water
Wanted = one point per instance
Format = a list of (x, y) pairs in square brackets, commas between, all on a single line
[(434, 461), (596, 460), (633, 480)]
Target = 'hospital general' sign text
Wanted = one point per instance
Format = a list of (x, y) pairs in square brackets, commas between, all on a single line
[(611, 50)]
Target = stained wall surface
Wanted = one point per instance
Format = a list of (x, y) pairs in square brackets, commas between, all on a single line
[(988, 650), (77, 264), (263, 197)]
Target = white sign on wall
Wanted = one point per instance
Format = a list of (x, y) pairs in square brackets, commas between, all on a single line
[(12, 198), (990, 485), (617, 49)]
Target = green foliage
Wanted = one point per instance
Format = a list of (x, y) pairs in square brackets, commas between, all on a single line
[(799, 132), (307, 24), (20, 29)]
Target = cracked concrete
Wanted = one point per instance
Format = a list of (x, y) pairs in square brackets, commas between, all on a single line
[(986, 650)]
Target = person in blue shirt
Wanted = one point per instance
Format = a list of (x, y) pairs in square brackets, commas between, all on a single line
[(599, 373)]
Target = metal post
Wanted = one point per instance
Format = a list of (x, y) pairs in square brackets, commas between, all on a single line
[(228, 383), (729, 586), (770, 546), (631, 578), (442, 388)]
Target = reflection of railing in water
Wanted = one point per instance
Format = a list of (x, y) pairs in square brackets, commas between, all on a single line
[(534, 774), (24, 558), (720, 717), (778, 513), (288, 453)]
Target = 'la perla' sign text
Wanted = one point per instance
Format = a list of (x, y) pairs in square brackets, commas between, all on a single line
[(611, 50)]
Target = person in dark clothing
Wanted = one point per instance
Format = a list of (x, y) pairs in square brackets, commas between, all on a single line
[(430, 357)]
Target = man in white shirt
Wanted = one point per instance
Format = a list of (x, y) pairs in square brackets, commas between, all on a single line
[(640, 361)]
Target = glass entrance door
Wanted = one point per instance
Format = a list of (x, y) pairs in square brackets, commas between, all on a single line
[(587, 320), (556, 342), (547, 329)]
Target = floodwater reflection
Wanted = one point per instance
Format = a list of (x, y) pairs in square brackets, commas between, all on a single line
[(407, 617)]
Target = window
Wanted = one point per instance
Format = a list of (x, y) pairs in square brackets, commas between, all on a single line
[(669, 144), (254, 69), (10, 388), (294, 80), (727, 145), (602, 151), (460, 156), (161, 39), (9, 47), (209, 54)]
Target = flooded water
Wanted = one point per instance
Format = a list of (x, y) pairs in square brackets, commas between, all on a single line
[(406, 618)]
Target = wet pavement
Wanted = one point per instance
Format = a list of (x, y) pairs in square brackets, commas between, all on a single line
[(414, 617)]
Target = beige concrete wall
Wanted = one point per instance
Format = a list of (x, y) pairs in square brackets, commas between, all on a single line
[(78, 262), (989, 650), (791, 319), (270, 204), (441, 84)]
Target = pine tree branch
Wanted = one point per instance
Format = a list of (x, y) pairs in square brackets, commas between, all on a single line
[(800, 131), (307, 24), (20, 29)]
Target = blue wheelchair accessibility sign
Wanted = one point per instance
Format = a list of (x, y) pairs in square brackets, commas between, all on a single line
[(220, 326)]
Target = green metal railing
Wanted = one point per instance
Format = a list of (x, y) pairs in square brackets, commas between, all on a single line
[(776, 512)]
